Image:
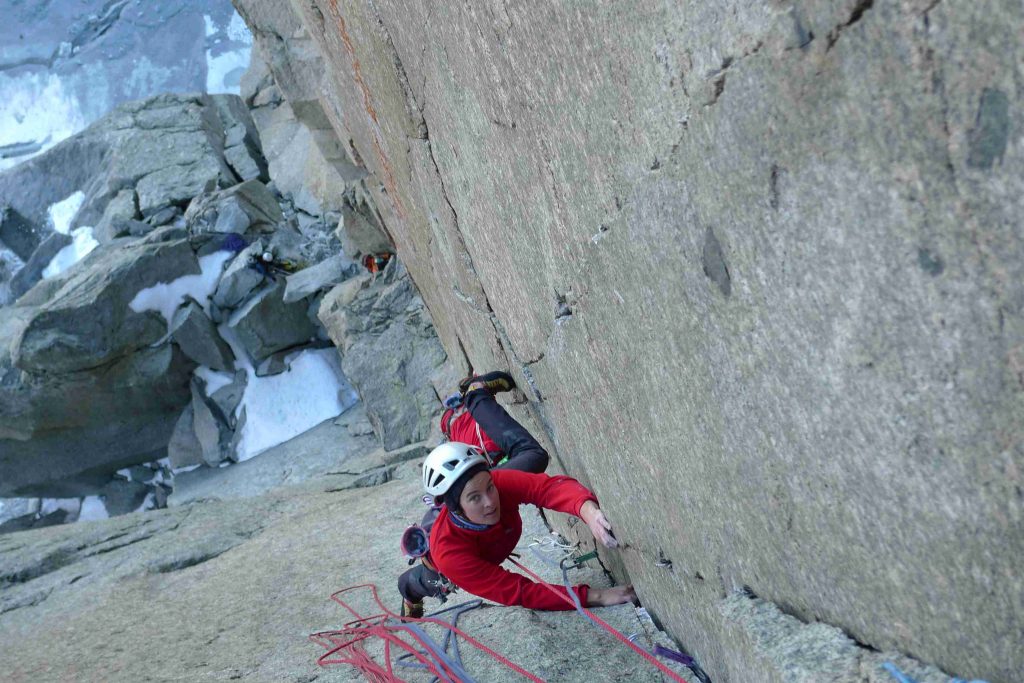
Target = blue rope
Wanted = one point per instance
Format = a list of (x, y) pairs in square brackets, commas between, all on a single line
[(904, 678), (451, 639)]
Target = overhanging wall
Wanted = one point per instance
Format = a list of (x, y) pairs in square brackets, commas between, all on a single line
[(761, 268)]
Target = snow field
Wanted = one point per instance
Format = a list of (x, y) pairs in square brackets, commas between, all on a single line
[(280, 407)]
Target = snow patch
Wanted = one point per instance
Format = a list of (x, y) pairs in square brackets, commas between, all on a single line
[(165, 297), (92, 509), (148, 503), (238, 31), (280, 407), (82, 242), (224, 71), (69, 505), (63, 212), (36, 108), (213, 379), (211, 27)]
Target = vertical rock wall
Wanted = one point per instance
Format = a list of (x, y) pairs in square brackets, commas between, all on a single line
[(760, 267)]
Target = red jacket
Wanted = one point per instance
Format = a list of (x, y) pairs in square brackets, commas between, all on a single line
[(471, 559), (463, 428)]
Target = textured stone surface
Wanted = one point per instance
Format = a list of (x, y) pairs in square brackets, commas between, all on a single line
[(211, 430), (227, 398), (198, 338), (166, 147), (755, 265), (248, 206), (32, 271), (323, 275), (228, 569), (360, 231), (308, 162), (265, 324), (389, 352), (184, 449), (88, 321), (327, 449), (239, 278), (63, 434), (121, 497), (114, 221)]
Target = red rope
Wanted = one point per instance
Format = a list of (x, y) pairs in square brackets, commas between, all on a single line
[(646, 655), (350, 637)]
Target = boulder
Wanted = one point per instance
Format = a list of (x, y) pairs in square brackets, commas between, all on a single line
[(360, 230), (184, 449), (389, 352), (274, 364), (210, 430), (88, 322), (321, 276), (266, 324), (164, 216), (242, 149), (249, 207), (19, 234), (36, 521), (167, 233), (122, 208), (227, 398), (198, 338), (231, 217), (239, 278), (166, 148), (64, 434), (121, 497), (32, 271)]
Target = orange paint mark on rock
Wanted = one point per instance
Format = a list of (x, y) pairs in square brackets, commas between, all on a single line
[(371, 112)]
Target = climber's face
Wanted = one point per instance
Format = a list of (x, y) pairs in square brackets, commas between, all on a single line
[(479, 500)]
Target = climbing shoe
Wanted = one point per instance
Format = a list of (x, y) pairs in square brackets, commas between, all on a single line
[(413, 610), (493, 382)]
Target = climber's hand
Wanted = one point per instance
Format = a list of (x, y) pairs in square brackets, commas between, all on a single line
[(603, 597), (598, 523)]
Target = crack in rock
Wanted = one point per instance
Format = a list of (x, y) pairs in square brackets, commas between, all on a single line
[(856, 14)]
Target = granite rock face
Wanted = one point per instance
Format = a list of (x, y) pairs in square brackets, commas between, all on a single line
[(166, 148), (758, 271), (88, 321), (143, 576), (65, 433), (389, 351), (308, 162), (97, 361)]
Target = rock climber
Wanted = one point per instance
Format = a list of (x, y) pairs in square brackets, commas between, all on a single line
[(478, 524)]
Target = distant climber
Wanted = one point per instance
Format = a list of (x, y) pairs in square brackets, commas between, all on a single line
[(477, 520)]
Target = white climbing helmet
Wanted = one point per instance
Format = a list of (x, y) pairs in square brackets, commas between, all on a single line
[(446, 463)]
